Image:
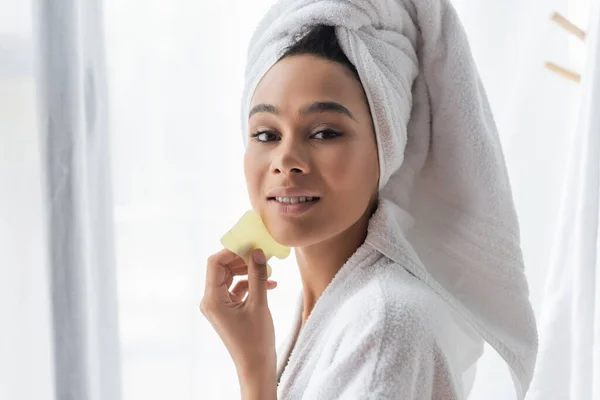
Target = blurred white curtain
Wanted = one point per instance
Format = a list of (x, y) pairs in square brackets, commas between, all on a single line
[(26, 360), (569, 359), (174, 171), (56, 235)]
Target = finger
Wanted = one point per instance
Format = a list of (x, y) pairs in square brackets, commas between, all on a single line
[(236, 271), (218, 274), (241, 269), (235, 264), (241, 288), (239, 291), (236, 267), (257, 277), (238, 262)]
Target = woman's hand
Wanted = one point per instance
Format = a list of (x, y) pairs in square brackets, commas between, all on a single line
[(244, 325)]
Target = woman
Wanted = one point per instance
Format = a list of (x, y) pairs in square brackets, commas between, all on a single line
[(372, 151)]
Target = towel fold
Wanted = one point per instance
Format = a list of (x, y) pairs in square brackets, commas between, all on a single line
[(446, 209)]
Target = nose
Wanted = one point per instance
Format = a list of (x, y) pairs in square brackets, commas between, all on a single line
[(290, 158)]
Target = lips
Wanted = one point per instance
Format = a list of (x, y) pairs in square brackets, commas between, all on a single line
[(292, 192), (294, 200), (296, 209)]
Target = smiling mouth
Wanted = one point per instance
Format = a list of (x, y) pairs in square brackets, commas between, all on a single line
[(294, 200)]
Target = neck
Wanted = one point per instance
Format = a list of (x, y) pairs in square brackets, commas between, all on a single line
[(320, 262)]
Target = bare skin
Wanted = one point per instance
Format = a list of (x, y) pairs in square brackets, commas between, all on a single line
[(311, 130)]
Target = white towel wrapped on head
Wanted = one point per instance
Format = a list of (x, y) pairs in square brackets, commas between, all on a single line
[(446, 211)]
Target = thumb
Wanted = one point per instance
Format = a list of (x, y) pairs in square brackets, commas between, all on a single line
[(257, 277)]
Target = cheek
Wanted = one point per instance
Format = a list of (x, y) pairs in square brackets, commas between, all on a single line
[(351, 170), (253, 171)]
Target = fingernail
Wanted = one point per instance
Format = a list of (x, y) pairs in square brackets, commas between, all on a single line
[(259, 256)]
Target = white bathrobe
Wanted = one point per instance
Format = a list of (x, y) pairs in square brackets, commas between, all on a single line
[(377, 332)]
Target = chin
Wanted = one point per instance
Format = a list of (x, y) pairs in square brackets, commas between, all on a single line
[(291, 236)]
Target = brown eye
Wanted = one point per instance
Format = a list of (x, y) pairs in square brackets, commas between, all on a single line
[(326, 134), (264, 136)]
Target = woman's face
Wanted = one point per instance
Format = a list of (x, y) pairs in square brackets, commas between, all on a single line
[(311, 136)]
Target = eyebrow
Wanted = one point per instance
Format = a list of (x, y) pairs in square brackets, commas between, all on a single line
[(314, 108)]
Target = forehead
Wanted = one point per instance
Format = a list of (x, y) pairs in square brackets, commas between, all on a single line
[(304, 78)]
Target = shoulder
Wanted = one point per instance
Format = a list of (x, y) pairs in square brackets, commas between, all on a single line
[(400, 332), (392, 300)]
